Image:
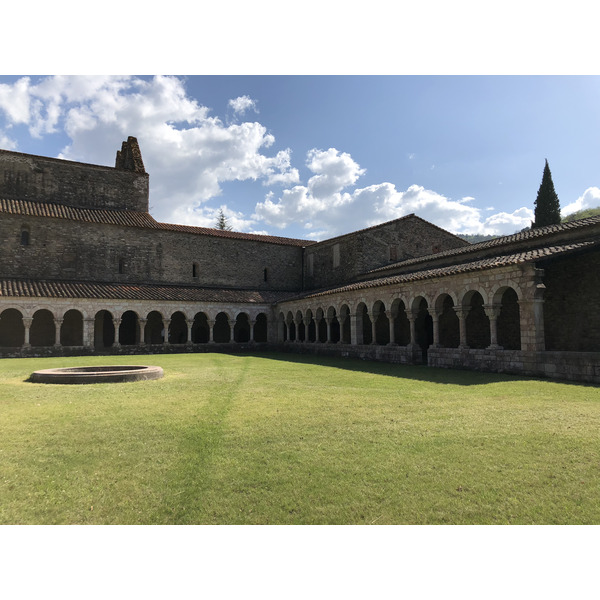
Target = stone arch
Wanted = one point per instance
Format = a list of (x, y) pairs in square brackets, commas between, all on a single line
[(43, 329), (477, 322), (104, 329), (241, 328), (200, 333), (12, 329), (382, 323), (448, 322), (178, 328), (509, 318), (154, 332), (71, 330), (261, 328), (401, 322), (222, 329)]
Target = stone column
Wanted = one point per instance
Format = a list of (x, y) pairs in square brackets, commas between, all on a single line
[(88, 332), (328, 323), (374, 328), (492, 311), (190, 324), (142, 324), (231, 325), (461, 313), (116, 324), (356, 335), (57, 325), (342, 322), (166, 324), (252, 324), (27, 321), (412, 319), (392, 321), (211, 331), (435, 319)]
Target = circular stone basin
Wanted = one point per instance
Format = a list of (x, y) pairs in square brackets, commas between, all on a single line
[(112, 374)]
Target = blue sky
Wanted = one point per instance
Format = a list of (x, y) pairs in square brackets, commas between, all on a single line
[(317, 156)]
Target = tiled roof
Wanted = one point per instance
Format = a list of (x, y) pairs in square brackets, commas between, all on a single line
[(533, 255), (30, 288), (507, 240), (130, 218)]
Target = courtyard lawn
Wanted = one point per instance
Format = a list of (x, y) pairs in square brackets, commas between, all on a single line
[(272, 439)]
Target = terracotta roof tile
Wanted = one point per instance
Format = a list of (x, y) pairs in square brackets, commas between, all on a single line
[(30, 288), (533, 255)]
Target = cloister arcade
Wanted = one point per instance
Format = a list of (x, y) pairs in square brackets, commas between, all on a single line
[(24, 327), (473, 318)]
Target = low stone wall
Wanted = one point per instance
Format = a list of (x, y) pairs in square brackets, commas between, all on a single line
[(572, 366)]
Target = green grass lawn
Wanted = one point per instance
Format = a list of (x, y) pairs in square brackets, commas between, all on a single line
[(270, 439)]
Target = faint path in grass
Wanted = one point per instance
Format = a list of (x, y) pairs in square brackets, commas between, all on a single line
[(200, 445)]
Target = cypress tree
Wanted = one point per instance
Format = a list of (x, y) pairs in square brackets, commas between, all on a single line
[(547, 206), (222, 222)]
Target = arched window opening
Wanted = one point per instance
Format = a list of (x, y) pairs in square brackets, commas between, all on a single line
[(121, 266), (265, 275), (449, 326), (401, 323), (222, 330), (509, 321), (200, 329), (260, 328), (154, 332), (423, 328), (241, 329), (195, 270), (12, 330), (104, 330), (43, 330), (71, 331), (129, 329), (25, 240), (477, 322), (367, 328), (178, 328), (382, 324)]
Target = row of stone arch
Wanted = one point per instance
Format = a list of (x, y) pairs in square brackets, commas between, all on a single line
[(104, 329), (446, 323)]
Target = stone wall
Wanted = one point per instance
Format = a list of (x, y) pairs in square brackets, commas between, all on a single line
[(572, 303), (74, 250), (342, 259), (29, 177)]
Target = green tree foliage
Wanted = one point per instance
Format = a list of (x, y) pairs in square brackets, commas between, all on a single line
[(547, 206), (222, 222)]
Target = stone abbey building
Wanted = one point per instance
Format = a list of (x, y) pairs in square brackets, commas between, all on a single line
[(86, 269)]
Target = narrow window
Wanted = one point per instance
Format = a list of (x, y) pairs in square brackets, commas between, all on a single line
[(311, 265), (336, 255), (265, 274), (195, 270), (24, 237), (121, 266)]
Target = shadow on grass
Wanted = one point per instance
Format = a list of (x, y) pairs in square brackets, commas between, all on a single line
[(414, 372)]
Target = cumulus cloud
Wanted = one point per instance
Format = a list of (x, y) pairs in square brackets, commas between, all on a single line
[(589, 199), (188, 152), (242, 104), (327, 207)]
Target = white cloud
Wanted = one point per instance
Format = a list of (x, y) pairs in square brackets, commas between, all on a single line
[(7, 143), (329, 210), (187, 152), (589, 199), (242, 104)]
